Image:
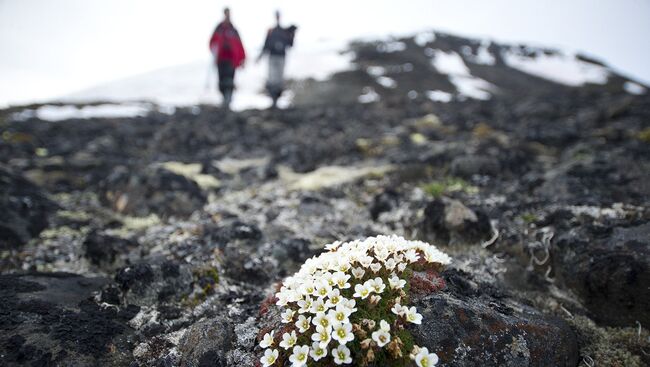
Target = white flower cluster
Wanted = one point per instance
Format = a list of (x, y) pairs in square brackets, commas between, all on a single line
[(321, 299)]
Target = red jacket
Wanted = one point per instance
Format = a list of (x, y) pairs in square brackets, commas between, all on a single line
[(226, 45)]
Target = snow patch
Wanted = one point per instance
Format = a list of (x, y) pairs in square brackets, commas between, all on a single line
[(386, 82), (439, 96), (556, 67), (195, 83), (66, 112), (449, 63), (483, 55), (634, 88), (376, 71), (470, 86), (369, 95), (424, 38), (467, 85)]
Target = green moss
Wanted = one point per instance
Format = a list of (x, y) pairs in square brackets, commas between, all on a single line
[(644, 135), (448, 185), (528, 218)]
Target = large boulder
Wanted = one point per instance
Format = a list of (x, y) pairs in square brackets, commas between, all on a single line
[(153, 190), (448, 221), (474, 324), (24, 210), (609, 267), (51, 319), (148, 284)]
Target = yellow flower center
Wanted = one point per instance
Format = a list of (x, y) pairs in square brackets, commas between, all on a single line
[(341, 333)]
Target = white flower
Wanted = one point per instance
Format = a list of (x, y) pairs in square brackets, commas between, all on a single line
[(413, 316), (287, 315), (322, 336), (317, 352), (381, 254), (283, 298), (381, 337), (332, 246), (377, 285), (322, 319), (401, 267), (375, 267), (343, 333), (267, 341), (366, 260), (396, 283), (333, 298), (318, 306), (342, 355), (358, 272), (299, 356), (343, 264), (323, 288), (426, 359), (307, 288), (350, 304), (303, 323), (305, 304), (288, 340), (361, 291), (412, 256), (399, 310), (270, 356), (383, 325), (340, 315), (341, 279), (390, 264)]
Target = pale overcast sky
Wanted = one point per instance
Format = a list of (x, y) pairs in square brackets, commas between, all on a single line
[(50, 48)]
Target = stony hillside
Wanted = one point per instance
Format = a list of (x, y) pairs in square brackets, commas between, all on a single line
[(154, 240)]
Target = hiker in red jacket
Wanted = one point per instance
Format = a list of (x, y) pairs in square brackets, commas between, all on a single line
[(228, 53)]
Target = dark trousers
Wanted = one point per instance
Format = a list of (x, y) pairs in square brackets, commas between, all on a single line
[(226, 71)]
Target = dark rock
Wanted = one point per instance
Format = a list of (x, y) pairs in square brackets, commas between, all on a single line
[(448, 221), (149, 284), (470, 165), (153, 190), (271, 260), (50, 319), (102, 249), (469, 325), (207, 342), (610, 269), (24, 210), (383, 202)]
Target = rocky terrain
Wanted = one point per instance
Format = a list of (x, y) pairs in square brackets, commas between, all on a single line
[(156, 240)]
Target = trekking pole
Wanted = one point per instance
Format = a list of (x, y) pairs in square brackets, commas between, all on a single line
[(208, 76)]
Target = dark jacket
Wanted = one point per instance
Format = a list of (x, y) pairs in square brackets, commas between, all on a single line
[(277, 41)]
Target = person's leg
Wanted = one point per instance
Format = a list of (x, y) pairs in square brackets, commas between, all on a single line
[(275, 79), (226, 81)]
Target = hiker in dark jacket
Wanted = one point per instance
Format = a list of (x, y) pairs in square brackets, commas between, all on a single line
[(278, 40), (228, 53)]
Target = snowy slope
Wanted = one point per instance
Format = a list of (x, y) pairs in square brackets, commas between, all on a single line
[(195, 83), (437, 66)]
